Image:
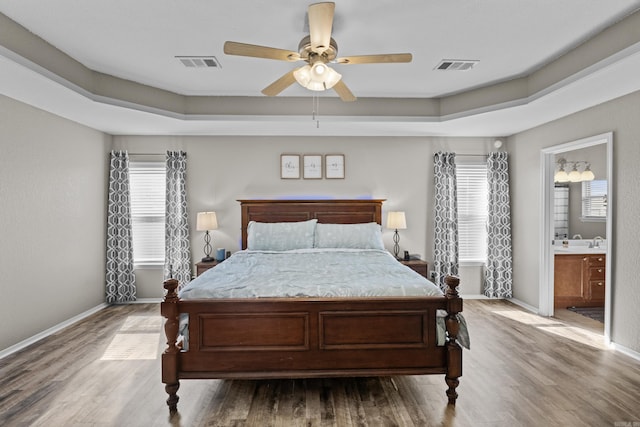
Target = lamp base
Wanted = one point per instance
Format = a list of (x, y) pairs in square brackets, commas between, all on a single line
[(208, 259)]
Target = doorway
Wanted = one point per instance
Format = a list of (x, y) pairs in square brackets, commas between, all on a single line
[(546, 285)]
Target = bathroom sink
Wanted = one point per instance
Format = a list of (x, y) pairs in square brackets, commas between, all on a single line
[(579, 250)]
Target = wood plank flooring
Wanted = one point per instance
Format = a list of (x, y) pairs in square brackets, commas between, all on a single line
[(533, 372)]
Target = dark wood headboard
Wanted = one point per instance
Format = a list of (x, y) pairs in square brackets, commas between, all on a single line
[(327, 211)]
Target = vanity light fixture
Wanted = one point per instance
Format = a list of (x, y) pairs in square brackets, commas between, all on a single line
[(587, 175), (574, 175), (561, 175)]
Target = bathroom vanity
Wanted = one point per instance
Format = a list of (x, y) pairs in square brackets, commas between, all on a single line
[(579, 277)]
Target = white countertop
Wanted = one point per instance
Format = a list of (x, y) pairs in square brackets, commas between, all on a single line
[(571, 250)]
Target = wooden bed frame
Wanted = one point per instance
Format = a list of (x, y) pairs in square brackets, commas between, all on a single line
[(310, 337)]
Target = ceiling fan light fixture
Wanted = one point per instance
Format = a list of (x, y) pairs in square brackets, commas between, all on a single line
[(312, 78), (303, 75), (318, 70)]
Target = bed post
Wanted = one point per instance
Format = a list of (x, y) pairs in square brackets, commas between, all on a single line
[(454, 351), (169, 309)]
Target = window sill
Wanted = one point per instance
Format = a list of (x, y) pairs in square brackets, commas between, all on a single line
[(471, 263), (593, 219), (148, 266)]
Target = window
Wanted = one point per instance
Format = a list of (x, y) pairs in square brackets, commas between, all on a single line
[(472, 211), (594, 200), (147, 185)]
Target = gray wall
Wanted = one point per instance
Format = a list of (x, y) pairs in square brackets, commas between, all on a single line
[(53, 181), (56, 270), (621, 117), (224, 169)]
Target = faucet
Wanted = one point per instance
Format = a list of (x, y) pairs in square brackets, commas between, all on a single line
[(596, 242)]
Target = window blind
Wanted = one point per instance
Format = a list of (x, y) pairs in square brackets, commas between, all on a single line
[(594, 199), (472, 211), (147, 186)]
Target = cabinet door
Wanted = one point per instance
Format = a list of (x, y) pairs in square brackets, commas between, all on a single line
[(596, 292), (596, 280), (568, 280)]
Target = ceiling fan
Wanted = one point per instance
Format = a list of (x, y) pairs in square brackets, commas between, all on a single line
[(317, 49)]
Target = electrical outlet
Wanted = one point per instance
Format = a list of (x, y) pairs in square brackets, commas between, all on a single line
[(432, 274)]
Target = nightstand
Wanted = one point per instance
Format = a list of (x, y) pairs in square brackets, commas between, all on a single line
[(417, 265), (201, 267)]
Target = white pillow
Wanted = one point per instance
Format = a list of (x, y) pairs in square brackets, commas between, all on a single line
[(352, 236), (280, 236)]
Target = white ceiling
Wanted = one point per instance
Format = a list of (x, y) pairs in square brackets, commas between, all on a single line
[(139, 40)]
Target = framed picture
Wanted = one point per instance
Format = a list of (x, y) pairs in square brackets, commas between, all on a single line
[(312, 166), (334, 166), (290, 166)]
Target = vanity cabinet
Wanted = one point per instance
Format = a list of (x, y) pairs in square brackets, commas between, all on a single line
[(579, 280)]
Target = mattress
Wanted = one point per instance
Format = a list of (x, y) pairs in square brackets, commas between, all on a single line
[(321, 273)]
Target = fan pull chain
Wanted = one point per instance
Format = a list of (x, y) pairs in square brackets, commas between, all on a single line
[(315, 113)]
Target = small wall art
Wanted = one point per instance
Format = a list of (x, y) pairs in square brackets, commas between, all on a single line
[(312, 166), (290, 166), (334, 166)]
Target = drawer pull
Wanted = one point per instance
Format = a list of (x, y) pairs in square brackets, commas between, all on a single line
[(599, 270), (600, 284)]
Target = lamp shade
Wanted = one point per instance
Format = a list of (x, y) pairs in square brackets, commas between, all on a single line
[(575, 175), (396, 220), (587, 175), (206, 221), (561, 176)]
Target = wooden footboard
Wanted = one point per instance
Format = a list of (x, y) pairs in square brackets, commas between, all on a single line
[(310, 337)]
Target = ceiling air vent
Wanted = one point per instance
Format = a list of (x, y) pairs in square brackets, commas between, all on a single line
[(456, 64), (199, 61)]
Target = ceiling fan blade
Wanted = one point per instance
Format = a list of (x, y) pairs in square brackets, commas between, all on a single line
[(343, 92), (255, 51), (320, 25), (376, 59), (279, 85)]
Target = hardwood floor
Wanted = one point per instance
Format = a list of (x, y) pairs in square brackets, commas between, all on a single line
[(536, 372)]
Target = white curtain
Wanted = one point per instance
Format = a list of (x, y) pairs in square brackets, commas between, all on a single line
[(445, 216), (120, 278), (498, 273), (177, 262)]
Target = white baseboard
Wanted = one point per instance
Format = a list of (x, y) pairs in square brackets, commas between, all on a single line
[(617, 347), (474, 296), (624, 350), (31, 340), (523, 305), (144, 301)]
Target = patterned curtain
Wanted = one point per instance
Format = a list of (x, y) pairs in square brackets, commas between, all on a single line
[(120, 278), (445, 253), (177, 263), (498, 273)]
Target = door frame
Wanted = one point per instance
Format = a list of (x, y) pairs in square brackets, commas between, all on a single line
[(546, 285)]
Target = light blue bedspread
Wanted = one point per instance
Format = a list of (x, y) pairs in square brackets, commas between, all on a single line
[(309, 273), (313, 273)]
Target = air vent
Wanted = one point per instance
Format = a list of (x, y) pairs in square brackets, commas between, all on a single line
[(199, 61), (456, 65)]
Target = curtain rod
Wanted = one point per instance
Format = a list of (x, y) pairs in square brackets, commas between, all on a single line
[(147, 154), (472, 155)]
